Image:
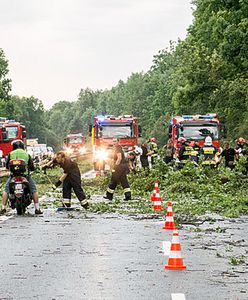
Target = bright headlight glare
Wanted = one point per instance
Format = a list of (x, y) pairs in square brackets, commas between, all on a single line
[(101, 154), (82, 150), (69, 150)]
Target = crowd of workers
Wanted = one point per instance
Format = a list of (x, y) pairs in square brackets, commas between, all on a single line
[(188, 151)]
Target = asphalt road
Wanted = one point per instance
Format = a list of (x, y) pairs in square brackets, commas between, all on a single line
[(77, 255)]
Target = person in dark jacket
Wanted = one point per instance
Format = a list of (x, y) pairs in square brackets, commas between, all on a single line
[(185, 150), (144, 156), (71, 179), (119, 173), (229, 154)]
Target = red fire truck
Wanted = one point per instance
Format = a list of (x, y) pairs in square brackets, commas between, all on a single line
[(10, 130), (196, 128), (105, 128), (75, 143)]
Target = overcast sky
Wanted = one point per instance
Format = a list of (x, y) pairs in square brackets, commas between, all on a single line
[(57, 47)]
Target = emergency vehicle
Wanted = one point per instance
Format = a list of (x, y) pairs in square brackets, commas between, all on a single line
[(196, 128), (10, 130), (75, 143), (105, 129)]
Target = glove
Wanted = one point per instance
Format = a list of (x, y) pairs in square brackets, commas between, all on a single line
[(54, 187), (58, 183)]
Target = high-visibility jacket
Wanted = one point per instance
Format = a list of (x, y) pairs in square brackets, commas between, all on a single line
[(185, 152), (208, 152), (154, 149), (19, 154)]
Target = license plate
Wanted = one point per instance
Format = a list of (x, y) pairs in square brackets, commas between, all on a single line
[(18, 186)]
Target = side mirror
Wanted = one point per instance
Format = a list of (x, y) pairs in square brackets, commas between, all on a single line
[(5, 136), (24, 133), (139, 131)]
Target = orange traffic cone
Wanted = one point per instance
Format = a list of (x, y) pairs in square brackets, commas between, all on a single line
[(157, 202), (155, 190), (169, 221), (175, 261)]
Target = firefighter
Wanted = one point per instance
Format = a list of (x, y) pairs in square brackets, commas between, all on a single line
[(19, 153), (185, 150), (71, 179), (195, 151), (229, 154), (119, 173), (208, 151), (132, 160), (153, 150), (144, 156), (240, 145)]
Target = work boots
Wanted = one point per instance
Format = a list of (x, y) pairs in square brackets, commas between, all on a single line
[(84, 204)]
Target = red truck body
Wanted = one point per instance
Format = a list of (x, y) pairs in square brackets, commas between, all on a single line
[(106, 128), (10, 130), (75, 143), (195, 128)]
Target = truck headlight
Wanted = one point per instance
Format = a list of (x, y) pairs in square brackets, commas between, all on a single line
[(69, 150), (82, 150), (101, 154)]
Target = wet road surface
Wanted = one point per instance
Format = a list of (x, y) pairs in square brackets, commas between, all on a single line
[(78, 255)]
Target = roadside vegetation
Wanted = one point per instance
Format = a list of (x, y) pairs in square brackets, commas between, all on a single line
[(193, 190)]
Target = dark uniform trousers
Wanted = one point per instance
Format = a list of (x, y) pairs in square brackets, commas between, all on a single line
[(73, 181), (119, 175)]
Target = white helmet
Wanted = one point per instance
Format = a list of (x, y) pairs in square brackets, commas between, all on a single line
[(208, 141)]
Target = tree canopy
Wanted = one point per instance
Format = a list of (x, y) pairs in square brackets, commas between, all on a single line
[(206, 72)]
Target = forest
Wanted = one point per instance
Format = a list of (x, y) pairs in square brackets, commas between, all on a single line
[(205, 73)]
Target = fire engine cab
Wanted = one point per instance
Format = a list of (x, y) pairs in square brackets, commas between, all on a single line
[(196, 128), (105, 129), (75, 143), (10, 130)]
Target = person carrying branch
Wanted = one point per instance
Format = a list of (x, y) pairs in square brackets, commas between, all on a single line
[(70, 179)]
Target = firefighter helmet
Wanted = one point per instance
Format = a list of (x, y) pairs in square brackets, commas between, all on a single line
[(182, 140), (241, 140), (17, 144), (208, 141)]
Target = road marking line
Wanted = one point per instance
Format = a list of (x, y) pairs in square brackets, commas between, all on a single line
[(4, 218), (178, 297), (166, 247)]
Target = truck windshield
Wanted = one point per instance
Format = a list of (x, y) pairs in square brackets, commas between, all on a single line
[(113, 131), (198, 131), (11, 132), (76, 140)]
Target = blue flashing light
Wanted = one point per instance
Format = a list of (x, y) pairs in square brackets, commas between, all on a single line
[(188, 117), (206, 117), (100, 118)]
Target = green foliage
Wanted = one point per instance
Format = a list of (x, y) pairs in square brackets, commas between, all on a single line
[(197, 190), (207, 72), (5, 83)]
